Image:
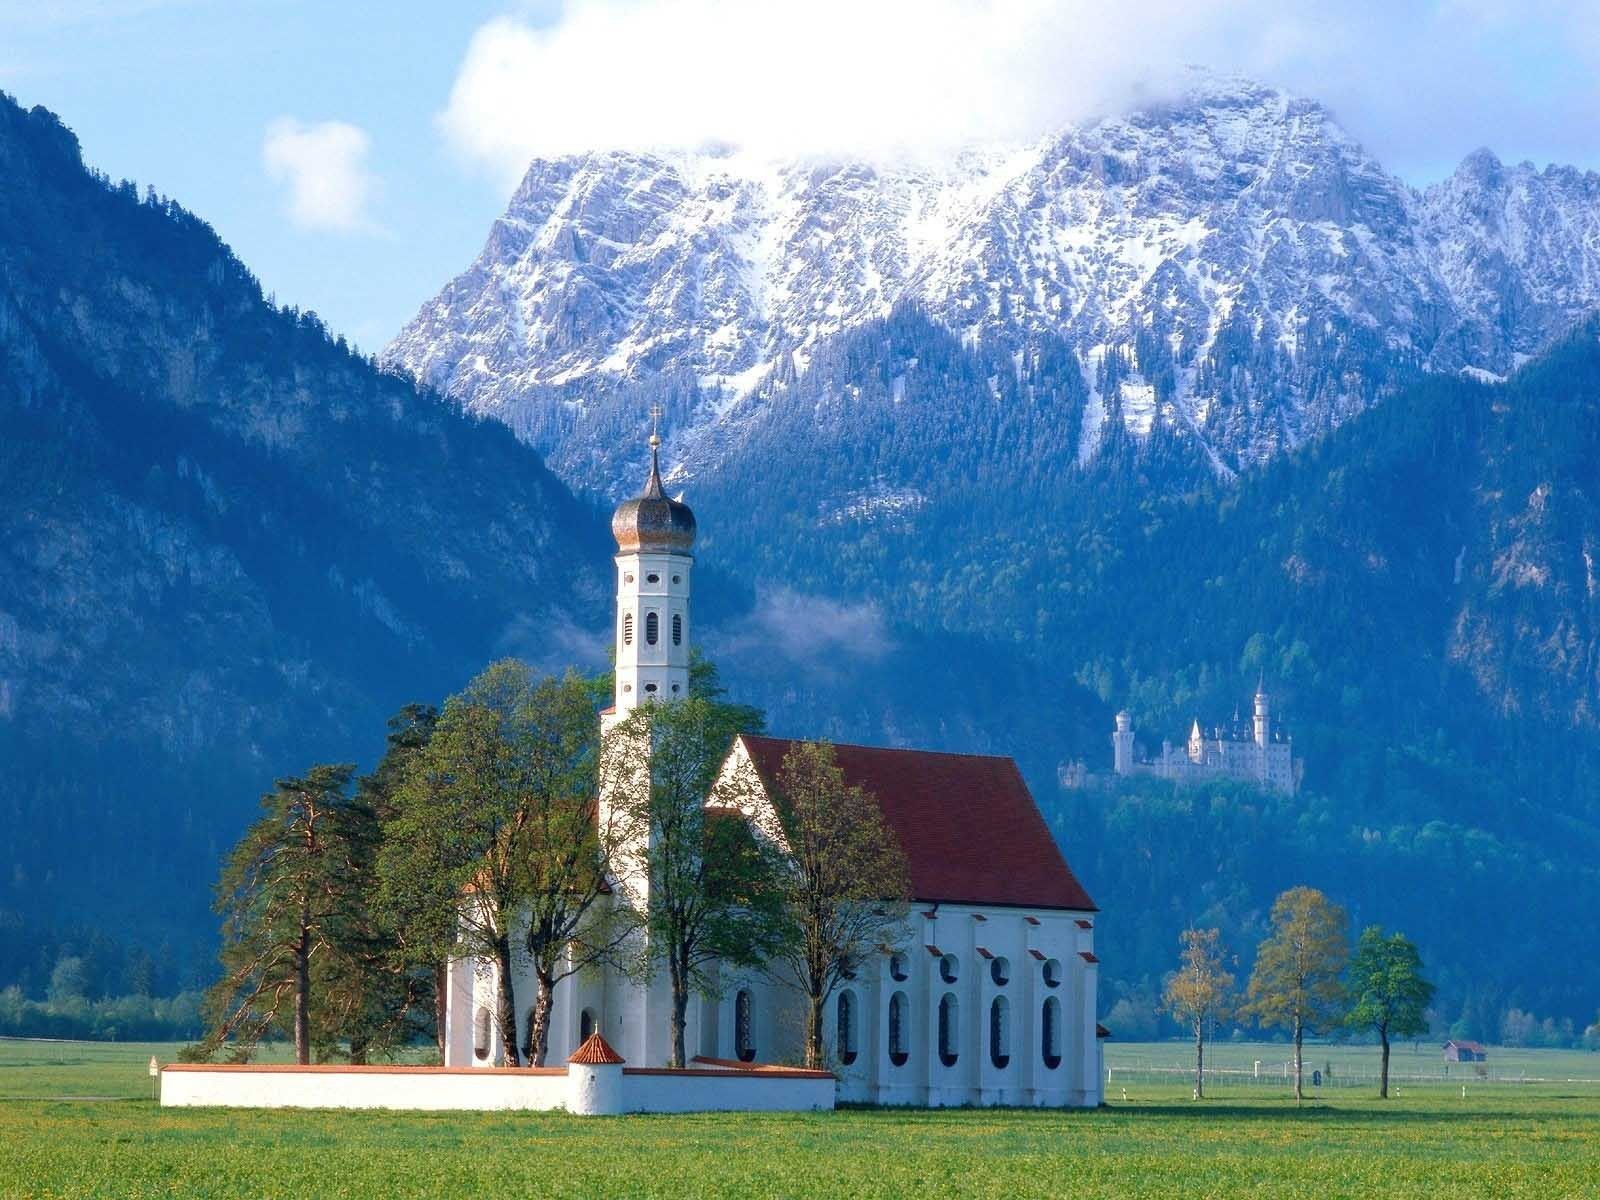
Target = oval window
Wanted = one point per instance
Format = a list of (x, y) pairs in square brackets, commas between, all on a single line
[(949, 968), (1000, 1032), (744, 1044), (899, 968), (899, 1038), (652, 578), (1050, 1033), (948, 1014), (1052, 972), (480, 1032), (846, 1034), (1000, 971)]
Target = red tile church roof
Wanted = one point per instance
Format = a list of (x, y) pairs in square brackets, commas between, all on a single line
[(969, 828)]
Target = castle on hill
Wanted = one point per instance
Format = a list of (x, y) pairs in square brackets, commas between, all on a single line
[(1255, 753), (1258, 753)]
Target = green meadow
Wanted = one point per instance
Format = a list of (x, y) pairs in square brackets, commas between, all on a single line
[(1502, 1139)]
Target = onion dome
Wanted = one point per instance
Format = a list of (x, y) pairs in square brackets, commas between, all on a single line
[(653, 521)]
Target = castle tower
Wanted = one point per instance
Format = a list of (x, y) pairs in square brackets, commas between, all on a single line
[(1263, 718), (1197, 744), (655, 534), (1122, 745)]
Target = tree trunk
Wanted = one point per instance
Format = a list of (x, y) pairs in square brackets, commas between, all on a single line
[(814, 1009), (1199, 1060), (508, 1002), (680, 1006), (1299, 1061), (441, 1007), (302, 997), (358, 1052), (538, 1047), (1383, 1075)]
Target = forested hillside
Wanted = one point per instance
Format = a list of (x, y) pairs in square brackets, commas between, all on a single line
[(1418, 589), (228, 546)]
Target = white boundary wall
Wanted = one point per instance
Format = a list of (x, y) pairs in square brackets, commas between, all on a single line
[(357, 1087), (757, 1089)]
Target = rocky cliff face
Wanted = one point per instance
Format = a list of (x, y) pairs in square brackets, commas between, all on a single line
[(1231, 267)]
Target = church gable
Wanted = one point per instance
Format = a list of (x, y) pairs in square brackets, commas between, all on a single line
[(970, 829)]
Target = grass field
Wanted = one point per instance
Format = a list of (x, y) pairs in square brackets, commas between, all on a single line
[(1503, 1140)]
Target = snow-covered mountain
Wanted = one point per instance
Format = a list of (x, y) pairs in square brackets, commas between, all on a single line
[(1231, 266)]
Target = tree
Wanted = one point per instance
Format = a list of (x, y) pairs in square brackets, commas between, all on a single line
[(564, 846), (844, 886), (706, 889), (377, 990), (451, 867), (1295, 984), (1387, 991), (1200, 992), (282, 895)]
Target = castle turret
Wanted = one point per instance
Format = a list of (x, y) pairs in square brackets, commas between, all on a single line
[(1263, 717), (1122, 745)]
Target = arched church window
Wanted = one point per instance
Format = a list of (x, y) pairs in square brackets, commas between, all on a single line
[(1000, 1032), (744, 1044), (652, 629), (899, 1039), (480, 1032), (627, 629), (1050, 1033), (948, 1012), (846, 1036), (585, 1025), (677, 629)]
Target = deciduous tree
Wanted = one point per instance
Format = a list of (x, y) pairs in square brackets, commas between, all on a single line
[(705, 887), (1387, 991), (845, 885), (1200, 992), (1295, 984)]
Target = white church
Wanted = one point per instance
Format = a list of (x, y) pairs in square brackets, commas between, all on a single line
[(987, 998), (986, 995)]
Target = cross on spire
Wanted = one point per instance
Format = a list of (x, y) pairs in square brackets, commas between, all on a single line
[(655, 425)]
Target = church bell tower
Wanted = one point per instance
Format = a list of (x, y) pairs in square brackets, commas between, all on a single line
[(655, 536)]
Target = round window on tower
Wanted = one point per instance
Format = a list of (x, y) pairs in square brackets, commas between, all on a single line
[(652, 578), (677, 579)]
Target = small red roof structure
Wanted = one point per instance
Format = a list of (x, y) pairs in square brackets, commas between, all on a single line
[(1087, 956), (596, 1052), (1100, 1031), (1082, 924), (1459, 1050), (969, 828)]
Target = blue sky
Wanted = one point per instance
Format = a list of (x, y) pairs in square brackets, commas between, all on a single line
[(355, 153)]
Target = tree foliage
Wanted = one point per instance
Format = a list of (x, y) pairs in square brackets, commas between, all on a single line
[(1200, 992), (1388, 994), (845, 884), (707, 888), (286, 898), (1296, 981)]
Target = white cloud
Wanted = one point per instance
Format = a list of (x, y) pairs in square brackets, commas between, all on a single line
[(875, 77), (325, 168)]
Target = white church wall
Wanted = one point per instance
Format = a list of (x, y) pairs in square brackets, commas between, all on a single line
[(769, 1090)]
